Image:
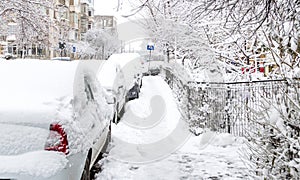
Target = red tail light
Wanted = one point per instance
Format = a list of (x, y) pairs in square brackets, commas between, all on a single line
[(57, 140)]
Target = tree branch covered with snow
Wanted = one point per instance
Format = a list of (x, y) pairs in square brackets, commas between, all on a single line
[(103, 42), (31, 17)]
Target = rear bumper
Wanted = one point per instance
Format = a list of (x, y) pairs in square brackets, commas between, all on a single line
[(59, 176), (71, 171)]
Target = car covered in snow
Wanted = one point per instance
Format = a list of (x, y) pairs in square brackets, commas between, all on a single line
[(54, 120), (118, 76)]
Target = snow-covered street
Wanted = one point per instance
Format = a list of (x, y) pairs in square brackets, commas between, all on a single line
[(208, 156)]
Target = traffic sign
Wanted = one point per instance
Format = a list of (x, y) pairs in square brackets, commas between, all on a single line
[(150, 47)]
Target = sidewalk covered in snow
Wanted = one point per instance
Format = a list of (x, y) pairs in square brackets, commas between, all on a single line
[(207, 156)]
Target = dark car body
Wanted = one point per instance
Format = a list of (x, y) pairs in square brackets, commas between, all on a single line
[(133, 93)]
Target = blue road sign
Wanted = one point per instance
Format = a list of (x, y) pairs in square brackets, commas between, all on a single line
[(74, 49), (150, 47)]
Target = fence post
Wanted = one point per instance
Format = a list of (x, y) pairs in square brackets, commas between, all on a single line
[(188, 95), (227, 109)]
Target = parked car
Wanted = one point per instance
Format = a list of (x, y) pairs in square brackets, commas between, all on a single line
[(133, 93), (111, 77), (154, 71), (54, 120), (8, 56), (117, 76), (135, 90)]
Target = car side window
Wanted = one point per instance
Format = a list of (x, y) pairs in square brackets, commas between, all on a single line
[(88, 90)]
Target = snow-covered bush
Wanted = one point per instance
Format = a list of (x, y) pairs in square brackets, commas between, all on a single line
[(273, 148)]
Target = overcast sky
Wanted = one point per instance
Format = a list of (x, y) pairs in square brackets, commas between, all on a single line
[(105, 7), (128, 30)]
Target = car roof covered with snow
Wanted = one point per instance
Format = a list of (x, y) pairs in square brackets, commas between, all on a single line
[(109, 72), (123, 58), (31, 80)]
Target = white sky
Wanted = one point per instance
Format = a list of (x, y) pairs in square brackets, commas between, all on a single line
[(126, 29), (105, 7), (109, 7)]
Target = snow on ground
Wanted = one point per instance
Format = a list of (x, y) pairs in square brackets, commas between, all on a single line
[(208, 156)]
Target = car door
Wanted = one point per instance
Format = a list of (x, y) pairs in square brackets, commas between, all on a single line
[(90, 118)]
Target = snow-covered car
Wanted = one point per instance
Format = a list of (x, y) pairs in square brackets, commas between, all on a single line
[(154, 71), (117, 76), (54, 120)]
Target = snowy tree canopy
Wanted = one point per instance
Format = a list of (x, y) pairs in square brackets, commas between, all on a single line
[(230, 26), (32, 18), (104, 42)]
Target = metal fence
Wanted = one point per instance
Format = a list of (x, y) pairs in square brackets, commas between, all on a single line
[(235, 107)]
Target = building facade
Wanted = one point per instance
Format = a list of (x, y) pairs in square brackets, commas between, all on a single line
[(105, 22), (76, 18), (70, 20)]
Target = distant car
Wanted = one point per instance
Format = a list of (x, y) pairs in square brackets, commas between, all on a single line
[(54, 120), (8, 56), (62, 58), (133, 93), (154, 71)]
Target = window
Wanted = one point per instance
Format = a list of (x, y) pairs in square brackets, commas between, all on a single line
[(72, 2), (90, 13), (88, 90)]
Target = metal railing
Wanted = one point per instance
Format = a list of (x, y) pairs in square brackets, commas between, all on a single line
[(235, 107)]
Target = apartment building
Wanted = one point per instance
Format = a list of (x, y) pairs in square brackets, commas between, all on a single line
[(71, 19), (75, 18), (105, 22)]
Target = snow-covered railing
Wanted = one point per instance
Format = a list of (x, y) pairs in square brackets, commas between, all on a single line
[(231, 107), (235, 107)]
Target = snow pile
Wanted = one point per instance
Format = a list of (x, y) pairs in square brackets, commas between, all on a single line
[(149, 122), (210, 155), (38, 163), (152, 86)]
